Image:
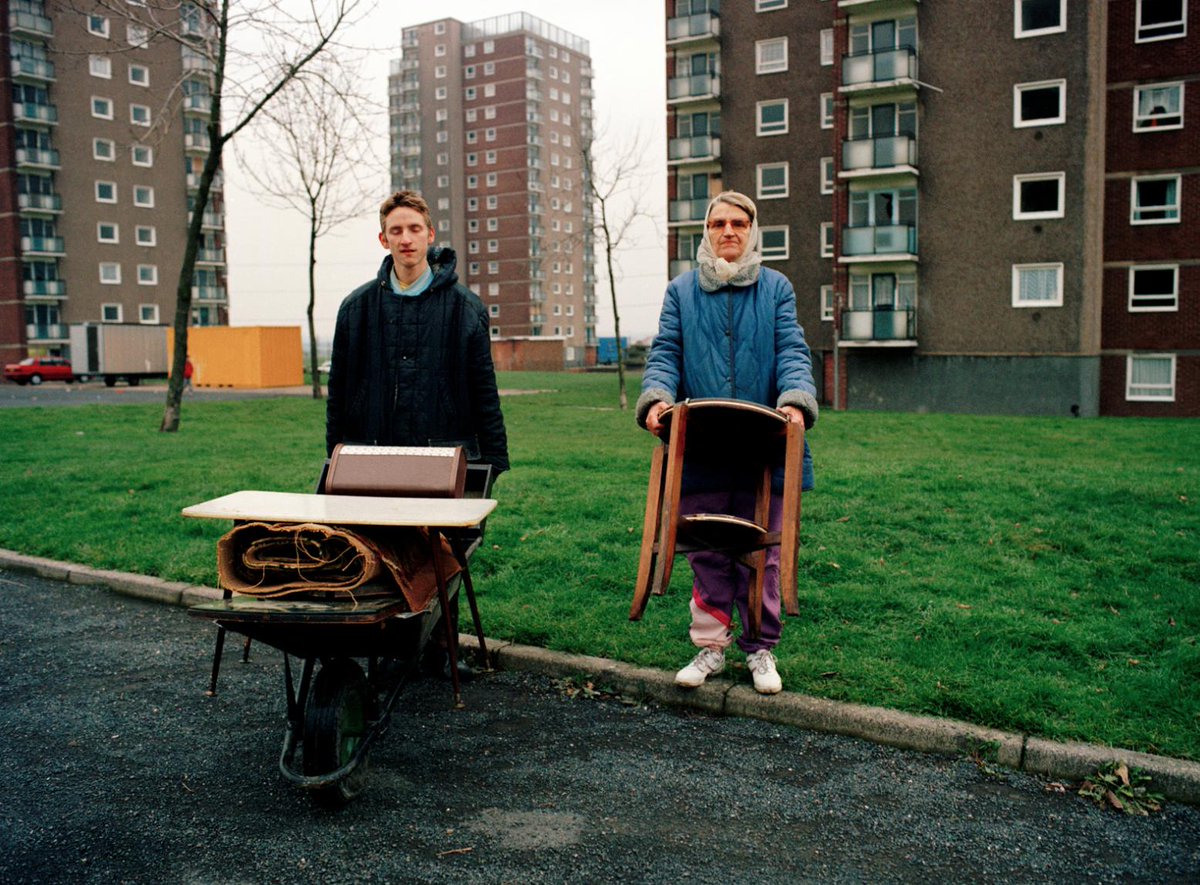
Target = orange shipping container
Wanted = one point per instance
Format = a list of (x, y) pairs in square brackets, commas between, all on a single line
[(244, 356)]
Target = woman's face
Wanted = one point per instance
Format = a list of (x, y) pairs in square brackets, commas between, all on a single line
[(728, 231)]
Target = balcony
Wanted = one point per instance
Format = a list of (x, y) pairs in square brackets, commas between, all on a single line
[(208, 293), (693, 88), (37, 158), (892, 242), (39, 202), (47, 332), (33, 69), (698, 148), (687, 211), (30, 25), (877, 156), (880, 71), (43, 246), (688, 28), (44, 288), (198, 104), (210, 256), (32, 112), (218, 182), (881, 326), (193, 62), (197, 142)]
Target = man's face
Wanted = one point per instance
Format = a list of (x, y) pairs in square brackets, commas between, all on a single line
[(728, 231), (406, 235)]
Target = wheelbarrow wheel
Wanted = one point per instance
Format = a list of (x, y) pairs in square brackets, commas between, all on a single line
[(335, 723)]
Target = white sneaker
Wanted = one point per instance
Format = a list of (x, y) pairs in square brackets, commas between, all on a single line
[(762, 669), (703, 665)]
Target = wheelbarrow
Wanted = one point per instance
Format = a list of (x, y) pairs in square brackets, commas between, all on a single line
[(356, 653)]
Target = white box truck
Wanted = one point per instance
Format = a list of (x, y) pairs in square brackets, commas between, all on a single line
[(118, 351)]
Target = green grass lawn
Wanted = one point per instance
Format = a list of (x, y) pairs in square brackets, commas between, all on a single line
[(1029, 574)]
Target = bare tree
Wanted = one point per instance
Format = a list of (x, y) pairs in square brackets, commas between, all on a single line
[(317, 128), (617, 202), (250, 52)]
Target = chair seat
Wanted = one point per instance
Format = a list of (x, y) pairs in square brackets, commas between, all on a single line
[(720, 531)]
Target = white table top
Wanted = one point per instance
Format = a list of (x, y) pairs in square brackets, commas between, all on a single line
[(345, 509)]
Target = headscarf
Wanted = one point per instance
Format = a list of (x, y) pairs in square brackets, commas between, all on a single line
[(715, 271)]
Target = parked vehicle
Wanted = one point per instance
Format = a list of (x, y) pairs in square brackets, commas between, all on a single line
[(116, 351), (36, 369)]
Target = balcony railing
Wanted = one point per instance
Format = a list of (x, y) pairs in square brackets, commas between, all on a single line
[(884, 152), (198, 104), (47, 331), (40, 202), (886, 66), (32, 112), (218, 182), (196, 141), (687, 210), (43, 245), (698, 147), (880, 324), (208, 293), (41, 158), (45, 288), (29, 23), (695, 86), (892, 239), (692, 27), (33, 68), (210, 256)]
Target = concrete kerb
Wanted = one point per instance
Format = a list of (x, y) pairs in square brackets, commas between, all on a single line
[(1176, 779)]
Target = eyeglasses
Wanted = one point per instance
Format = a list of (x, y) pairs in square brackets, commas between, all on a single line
[(738, 224)]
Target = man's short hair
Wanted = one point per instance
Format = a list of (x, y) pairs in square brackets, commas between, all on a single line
[(407, 199)]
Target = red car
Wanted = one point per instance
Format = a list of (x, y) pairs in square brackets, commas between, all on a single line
[(36, 369)]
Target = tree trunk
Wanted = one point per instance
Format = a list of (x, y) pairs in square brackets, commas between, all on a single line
[(312, 301)]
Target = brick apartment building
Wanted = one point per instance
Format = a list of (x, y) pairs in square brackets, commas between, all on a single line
[(94, 184), (983, 207), (488, 121)]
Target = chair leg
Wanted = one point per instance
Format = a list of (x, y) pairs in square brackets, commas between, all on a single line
[(758, 558), (672, 486), (650, 531), (789, 543)]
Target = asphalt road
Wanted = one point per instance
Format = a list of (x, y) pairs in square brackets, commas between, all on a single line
[(114, 766), (57, 393)]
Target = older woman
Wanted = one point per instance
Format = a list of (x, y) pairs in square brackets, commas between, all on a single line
[(729, 329)]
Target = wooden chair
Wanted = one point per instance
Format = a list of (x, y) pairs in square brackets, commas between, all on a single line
[(736, 429)]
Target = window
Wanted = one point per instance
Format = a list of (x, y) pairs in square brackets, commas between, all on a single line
[(473, 247), (439, 28), (826, 239), (469, 50), (768, 5), (493, 224), (827, 46), (1154, 200), (141, 155), (1038, 196), (469, 93), (104, 149), (139, 75), (102, 108), (772, 180), (443, 181), (98, 25), (147, 274), (110, 275), (1150, 377), (826, 110), (143, 196), (439, 71), (1037, 17), (1153, 287), (107, 232), (493, 267), (439, 50), (493, 245), (493, 310), (771, 55), (100, 66), (489, 46), (137, 35), (772, 117), (491, 180), (1161, 20), (443, 159), (1039, 104), (472, 225), (472, 159), (106, 192), (148, 314), (489, 157), (493, 288), (489, 134), (110, 313), (827, 175), (440, 93), (827, 303), (145, 235), (1158, 107), (774, 241), (1037, 285), (139, 115)]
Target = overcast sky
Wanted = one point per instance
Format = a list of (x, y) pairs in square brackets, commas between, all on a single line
[(267, 247)]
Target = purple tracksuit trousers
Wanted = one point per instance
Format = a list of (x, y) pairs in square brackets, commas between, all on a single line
[(722, 582)]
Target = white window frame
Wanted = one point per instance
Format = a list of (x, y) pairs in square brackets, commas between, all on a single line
[(149, 191), (1148, 123), (826, 110), (826, 302), (764, 65), (826, 46), (1169, 208), (1137, 32), (152, 235), (148, 314), (779, 191), (100, 66), (137, 36), (98, 26), (1057, 212), (439, 72), (147, 274), (118, 313), (134, 110), (116, 232), (98, 154), (826, 239), (1169, 389), (145, 71), (493, 289), (1039, 32), (775, 255), (112, 185), (493, 309), (114, 274), (826, 171), (769, 5), (440, 93), (1018, 88), (1134, 307), (143, 150), (758, 122), (1018, 269), (101, 114)]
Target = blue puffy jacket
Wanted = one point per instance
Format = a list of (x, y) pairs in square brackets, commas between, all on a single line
[(739, 342)]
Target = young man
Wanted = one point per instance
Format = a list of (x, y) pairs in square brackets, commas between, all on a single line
[(412, 359), (728, 329)]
